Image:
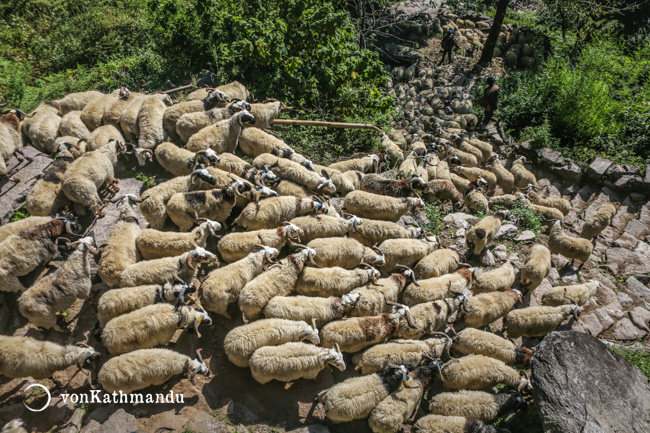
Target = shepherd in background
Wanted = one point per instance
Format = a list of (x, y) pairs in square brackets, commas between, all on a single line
[(490, 100), (447, 44)]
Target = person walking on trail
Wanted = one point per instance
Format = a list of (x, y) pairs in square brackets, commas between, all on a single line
[(447, 44), (490, 100)]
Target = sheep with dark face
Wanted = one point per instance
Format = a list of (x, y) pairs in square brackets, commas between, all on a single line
[(443, 190), (191, 123), (222, 136), (473, 341), (60, 289), (355, 398), (165, 270), (369, 205), (376, 184), (429, 317), (24, 251), (215, 99), (406, 352), (154, 200)]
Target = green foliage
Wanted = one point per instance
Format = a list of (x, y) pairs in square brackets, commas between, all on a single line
[(636, 357), (19, 214), (148, 181), (435, 216), (593, 105), (526, 218)]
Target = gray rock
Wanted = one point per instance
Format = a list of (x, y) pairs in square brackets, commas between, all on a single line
[(119, 421), (636, 287), (570, 171), (637, 196), (637, 229), (625, 300), (644, 215), (314, 428), (626, 241), (616, 171), (500, 252), (12, 194), (614, 311), (598, 167), (460, 233), (452, 217), (646, 178), (574, 397), (627, 181), (591, 323), (628, 262), (526, 236), (549, 156), (604, 319), (641, 318), (486, 258), (507, 231), (624, 330)]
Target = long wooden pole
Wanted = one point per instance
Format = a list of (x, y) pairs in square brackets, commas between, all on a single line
[(298, 122)]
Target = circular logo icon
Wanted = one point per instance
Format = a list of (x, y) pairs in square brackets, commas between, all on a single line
[(47, 391)]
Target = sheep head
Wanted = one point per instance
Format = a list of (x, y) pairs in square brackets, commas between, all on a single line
[(203, 175), (260, 192), (290, 231), (333, 357), (349, 300), (326, 185), (416, 203), (207, 156), (215, 97), (268, 253), (310, 333), (197, 366), (380, 259), (201, 255), (417, 182), (211, 226), (245, 118), (319, 206), (408, 273), (353, 221)]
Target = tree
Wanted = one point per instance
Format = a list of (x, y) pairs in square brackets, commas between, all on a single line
[(490, 43)]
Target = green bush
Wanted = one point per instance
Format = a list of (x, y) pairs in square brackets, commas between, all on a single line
[(594, 104), (636, 357), (526, 218), (435, 219)]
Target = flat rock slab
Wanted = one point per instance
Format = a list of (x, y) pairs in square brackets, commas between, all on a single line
[(574, 397), (13, 195)]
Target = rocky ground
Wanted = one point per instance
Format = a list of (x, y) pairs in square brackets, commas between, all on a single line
[(231, 401)]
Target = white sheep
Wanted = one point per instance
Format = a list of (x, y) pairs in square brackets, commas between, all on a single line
[(345, 252), (222, 286), (538, 321), (151, 131), (28, 357), (241, 342), (322, 310), (222, 136), (237, 245), (191, 123), (116, 302), (60, 289), (290, 361), (336, 281), (154, 244), (147, 367), (368, 205), (474, 341), (536, 267), (149, 326)]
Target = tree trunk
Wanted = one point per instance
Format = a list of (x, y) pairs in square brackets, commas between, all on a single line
[(491, 42)]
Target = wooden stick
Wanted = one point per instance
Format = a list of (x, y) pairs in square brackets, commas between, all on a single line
[(179, 89), (297, 122)]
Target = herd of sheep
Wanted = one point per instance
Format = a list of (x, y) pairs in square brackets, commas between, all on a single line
[(313, 281)]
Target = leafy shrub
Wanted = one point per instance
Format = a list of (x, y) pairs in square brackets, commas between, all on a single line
[(19, 214), (593, 104), (435, 216), (636, 357), (526, 218)]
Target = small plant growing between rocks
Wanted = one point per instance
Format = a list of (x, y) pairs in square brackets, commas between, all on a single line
[(635, 356), (148, 181), (19, 214), (526, 218), (434, 223)]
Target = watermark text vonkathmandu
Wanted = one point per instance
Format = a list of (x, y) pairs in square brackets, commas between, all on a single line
[(98, 396)]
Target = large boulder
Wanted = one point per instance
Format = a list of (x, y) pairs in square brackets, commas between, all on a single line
[(582, 386)]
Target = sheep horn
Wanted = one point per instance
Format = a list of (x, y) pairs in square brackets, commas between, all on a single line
[(198, 354), (338, 348), (311, 260), (313, 323)]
